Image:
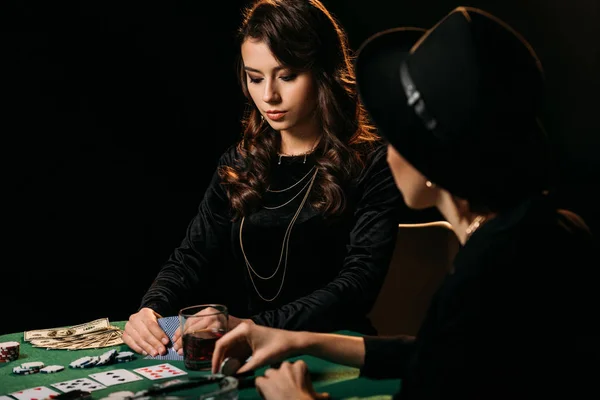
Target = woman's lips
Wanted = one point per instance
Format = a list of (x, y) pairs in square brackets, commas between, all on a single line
[(274, 116)]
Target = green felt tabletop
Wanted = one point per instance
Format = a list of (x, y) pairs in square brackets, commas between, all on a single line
[(339, 381)]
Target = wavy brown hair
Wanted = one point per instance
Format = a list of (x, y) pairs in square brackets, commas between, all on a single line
[(303, 35)]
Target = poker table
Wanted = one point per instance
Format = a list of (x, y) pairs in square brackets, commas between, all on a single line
[(339, 381)]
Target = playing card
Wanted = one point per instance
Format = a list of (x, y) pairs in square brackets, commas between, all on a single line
[(36, 393), (82, 383), (115, 377), (6, 398), (160, 371), (169, 325)]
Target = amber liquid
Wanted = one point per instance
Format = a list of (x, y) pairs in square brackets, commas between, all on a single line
[(198, 348)]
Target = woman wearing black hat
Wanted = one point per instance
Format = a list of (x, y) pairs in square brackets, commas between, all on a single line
[(458, 105)]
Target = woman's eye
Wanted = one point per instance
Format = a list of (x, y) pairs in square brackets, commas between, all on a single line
[(255, 80), (290, 77)]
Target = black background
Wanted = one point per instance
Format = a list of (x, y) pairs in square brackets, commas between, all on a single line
[(115, 113)]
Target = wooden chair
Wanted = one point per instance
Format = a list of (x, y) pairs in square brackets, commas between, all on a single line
[(422, 257)]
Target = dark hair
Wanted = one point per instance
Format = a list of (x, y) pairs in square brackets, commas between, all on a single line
[(302, 35)]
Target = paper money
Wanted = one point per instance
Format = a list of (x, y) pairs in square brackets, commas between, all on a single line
[(91, 335), (88, 327)]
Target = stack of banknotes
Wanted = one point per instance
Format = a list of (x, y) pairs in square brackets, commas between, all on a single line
[(90, 335)]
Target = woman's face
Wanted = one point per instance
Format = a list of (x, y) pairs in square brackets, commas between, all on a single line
[(287, 99), (412, 183)]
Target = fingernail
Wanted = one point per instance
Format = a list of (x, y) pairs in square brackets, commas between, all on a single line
[(175, 347), (180, 352), (144, 352), (165, 341)]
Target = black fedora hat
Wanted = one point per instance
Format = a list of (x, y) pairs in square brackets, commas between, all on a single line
[(460, 102)]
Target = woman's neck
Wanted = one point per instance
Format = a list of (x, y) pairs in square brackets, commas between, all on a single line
[(463, 221), (298, 145)]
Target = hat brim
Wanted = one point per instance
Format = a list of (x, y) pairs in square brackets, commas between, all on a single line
[(382, 94)]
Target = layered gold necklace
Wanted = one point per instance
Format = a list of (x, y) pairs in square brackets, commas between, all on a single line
[(283, 256)]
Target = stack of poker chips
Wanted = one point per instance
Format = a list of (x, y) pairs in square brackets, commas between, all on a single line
[(109, 357), (28, 368), (9, 351)]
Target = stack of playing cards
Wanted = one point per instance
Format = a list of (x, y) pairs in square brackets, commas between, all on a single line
[(91, 335)]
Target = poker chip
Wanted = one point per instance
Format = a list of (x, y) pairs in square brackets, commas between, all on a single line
[(107, 358), (50, 369), (9, 351), (25, 371), (33, 364), (230, 366), (125, 356), (28, 368), (90, 363), (121, 395), (80, 362)]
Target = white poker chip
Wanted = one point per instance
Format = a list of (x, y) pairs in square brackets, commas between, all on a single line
[(50, 369), (25, 371), (91, 363), (121, 395), (125, 356), (33, 364), (107, 358), (80, 361)]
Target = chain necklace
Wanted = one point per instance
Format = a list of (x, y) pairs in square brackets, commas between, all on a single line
[(294, 185), (284, 245), (305, 154), (473, 226)]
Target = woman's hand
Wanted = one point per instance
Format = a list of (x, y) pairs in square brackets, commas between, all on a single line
[(143, 334), (265, 345), (290, 381)]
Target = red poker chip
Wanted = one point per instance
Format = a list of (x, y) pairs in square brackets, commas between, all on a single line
[(9, 351)]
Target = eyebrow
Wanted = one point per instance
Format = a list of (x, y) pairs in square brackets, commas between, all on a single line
[(250, 69)]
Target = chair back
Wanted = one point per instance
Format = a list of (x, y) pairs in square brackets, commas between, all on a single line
[(422, 257)]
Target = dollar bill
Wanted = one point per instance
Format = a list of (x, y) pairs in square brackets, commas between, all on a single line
[(91, 335), (100, 324)]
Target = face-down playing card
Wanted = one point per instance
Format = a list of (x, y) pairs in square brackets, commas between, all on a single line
[(169, 325)]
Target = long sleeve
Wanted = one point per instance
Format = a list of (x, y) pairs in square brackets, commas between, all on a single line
[(187, 268), (353, 290), (387, 357)]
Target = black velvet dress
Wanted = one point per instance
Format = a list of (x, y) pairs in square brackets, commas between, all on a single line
[(324, 277), (517, 319)]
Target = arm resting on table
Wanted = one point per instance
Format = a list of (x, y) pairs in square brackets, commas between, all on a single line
[(340, 349)]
